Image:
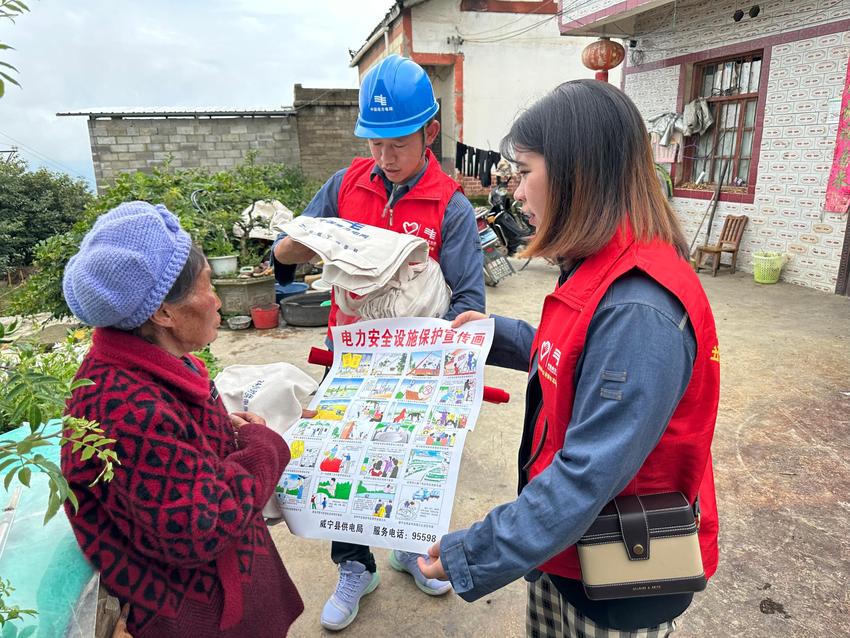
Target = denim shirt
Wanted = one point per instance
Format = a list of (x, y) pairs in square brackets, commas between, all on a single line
[(639, 328), (461, 259)]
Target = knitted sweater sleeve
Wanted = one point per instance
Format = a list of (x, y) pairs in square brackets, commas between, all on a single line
[(176, 501)]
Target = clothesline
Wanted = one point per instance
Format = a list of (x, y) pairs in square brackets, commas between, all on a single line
[(475, 162)]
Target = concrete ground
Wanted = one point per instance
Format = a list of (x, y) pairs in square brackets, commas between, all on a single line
[(781, 453)]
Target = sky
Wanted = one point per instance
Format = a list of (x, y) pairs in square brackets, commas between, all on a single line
[(83, 54)]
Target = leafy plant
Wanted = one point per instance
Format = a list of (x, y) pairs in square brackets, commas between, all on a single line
[(227, 193), (14, 612), (9, 10), (34, 206), (218, 244), (210, 361), (37, 383)]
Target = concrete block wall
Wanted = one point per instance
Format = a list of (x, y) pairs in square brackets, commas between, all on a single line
[(326, 120), (805, 78), (317, 136), (124, 145)]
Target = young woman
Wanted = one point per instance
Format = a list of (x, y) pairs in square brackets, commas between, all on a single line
[(623, 368), (178, 533)]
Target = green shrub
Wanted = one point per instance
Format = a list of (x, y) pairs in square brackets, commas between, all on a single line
[(34, 206), (225, 195)]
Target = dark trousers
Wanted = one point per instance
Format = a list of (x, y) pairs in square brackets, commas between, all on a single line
[(341, 552)]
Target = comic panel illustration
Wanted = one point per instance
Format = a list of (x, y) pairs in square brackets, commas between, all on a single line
[(370, 411), (435, 435), (373, 498), (352, 430), (446, 416), (461, 361), (310, 429), (420, 505), (425, 364), (343, 388), (332, 494), (332, 410), (408, 413), (354, 364), (378, 388), (428, 466), (304, 454), (387, 432), (292, 489), (340, 458), (379, 462), (416, 390), (390, 364), (456, 391)]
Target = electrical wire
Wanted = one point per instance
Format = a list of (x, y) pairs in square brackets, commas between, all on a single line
[(509, 35), (57, 165), (501, 26)]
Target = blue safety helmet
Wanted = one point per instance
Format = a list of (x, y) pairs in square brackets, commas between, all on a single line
[(396, 99)]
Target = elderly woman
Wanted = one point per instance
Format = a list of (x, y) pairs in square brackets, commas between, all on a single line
[(178, 532)]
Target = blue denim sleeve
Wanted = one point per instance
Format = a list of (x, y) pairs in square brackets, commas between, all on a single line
[(324, 204), (512, 340), (636, 365), (460, 257)]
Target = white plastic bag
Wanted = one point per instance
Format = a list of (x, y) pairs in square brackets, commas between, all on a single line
[(274, 391)]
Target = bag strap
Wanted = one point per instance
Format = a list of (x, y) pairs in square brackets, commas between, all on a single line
[(633, 525)]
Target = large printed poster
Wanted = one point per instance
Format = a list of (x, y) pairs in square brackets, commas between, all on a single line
[(378, 464)]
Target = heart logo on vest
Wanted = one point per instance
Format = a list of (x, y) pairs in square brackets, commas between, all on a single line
[(410, 228), (545, 347)]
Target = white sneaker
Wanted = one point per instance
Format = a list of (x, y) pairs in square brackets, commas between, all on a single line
[(355, 581), (406, 562)]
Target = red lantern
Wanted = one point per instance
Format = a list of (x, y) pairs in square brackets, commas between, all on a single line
[(601, 56)]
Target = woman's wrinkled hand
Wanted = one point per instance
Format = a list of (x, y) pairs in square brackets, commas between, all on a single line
[(238, 419), (469, 315)]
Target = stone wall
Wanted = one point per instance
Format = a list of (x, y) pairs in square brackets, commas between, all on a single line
[(317, 135), (218, 143), (326, 119)]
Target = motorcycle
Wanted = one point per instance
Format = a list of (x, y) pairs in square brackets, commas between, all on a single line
[(496, 265), (507, 220)]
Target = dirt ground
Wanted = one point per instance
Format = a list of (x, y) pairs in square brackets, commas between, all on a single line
[(781, 453)]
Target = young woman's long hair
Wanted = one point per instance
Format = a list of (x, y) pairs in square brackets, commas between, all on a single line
[(600, 171)]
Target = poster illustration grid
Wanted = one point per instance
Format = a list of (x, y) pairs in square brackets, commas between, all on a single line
[(378, 464)]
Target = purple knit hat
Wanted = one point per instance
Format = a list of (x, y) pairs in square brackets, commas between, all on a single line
[(126, 265)]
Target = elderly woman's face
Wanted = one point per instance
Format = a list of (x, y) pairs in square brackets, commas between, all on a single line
[(196, 317)]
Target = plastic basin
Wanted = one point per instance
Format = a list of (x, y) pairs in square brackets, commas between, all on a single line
[(282, 291), (306, 309)]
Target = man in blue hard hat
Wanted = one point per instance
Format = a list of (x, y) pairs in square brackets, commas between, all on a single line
[(402, 188)]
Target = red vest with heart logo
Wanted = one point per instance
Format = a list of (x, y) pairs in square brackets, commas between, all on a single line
[(681, 461), (363, 198)]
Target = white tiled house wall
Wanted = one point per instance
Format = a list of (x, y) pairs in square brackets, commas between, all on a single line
[(678, 28), (798, 140)]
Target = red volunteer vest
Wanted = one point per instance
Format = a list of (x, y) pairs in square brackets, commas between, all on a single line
[(363, 198), (682, 459)]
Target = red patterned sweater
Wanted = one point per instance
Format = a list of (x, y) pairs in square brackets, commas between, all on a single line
[(178, 533)]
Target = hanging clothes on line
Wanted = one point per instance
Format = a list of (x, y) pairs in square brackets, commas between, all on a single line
[(486, 174), (460, 157)]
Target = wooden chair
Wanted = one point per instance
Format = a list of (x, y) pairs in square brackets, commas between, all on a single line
[(730, 240)]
